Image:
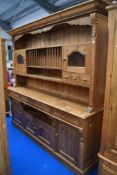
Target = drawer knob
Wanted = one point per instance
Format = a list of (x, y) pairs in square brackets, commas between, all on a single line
[(74, 78), (35, 128), (66, 77), (85, 79)]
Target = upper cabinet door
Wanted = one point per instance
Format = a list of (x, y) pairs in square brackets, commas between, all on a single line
[(111, 142), (76, 58), (20, 62)]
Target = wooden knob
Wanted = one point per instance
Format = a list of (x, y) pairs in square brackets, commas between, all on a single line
[(74, 78), (90, 125), (84, 79), (66, 77)]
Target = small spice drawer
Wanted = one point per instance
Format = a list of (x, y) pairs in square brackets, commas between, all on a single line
[(75, 78), (85, 79), (66, 76)]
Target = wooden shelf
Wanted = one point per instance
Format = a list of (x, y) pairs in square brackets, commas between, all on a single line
[(44, 77), (45, 67), (46, 57), (59, 80)]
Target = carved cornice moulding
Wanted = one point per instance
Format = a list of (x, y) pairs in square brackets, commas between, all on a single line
[(77, 10)]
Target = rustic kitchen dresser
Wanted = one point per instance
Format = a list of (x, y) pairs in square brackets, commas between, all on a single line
[(108, 151), (60, 65)]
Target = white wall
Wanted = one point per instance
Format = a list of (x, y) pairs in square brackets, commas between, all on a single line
[(4, 34)]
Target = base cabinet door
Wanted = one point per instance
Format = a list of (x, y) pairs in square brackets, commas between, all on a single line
[(108, 171), (17, 112), (68, 142), (45, 132), (40, 124), (28, 122)]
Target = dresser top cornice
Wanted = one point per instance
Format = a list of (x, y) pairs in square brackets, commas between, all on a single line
[(75, 11)]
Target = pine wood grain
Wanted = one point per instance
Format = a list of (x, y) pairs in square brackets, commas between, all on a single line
[(4, 154)]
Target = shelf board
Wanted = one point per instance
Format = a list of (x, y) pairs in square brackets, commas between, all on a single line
[(44, 67), (55, 79), (43, 77)]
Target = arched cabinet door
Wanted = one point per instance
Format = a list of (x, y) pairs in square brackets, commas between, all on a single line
[(77, 63), (20, 62)]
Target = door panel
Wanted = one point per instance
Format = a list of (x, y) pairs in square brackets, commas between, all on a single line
[(111, 147), (17, 113), (68, 142), (108, 171)]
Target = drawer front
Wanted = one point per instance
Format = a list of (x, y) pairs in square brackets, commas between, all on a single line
[(66, 76), (67, 118), (15, 95), (76, 78), (85, 79), (35, 104)]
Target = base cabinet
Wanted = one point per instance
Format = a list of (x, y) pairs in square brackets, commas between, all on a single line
[(70, 143)]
